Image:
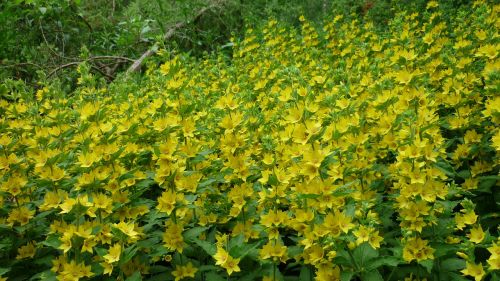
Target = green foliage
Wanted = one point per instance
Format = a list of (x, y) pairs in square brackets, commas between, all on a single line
[(38, 37), (354, 151)]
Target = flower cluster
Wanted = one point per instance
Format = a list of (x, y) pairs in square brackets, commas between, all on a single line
[(320, 153)]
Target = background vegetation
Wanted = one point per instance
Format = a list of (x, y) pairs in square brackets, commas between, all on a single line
[(43, 40)]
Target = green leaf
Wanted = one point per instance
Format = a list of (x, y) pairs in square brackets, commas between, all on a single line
[(373, 275), (160, 269), (490, 178), (452, 264), (45, 260), (47, 275), (250, 276), (294, 251), (206, 183), (52, 241), (238, 240), (213, 276), (486, 184), (135, 277), (443, 249), (305, 274), (243, 250), (346, 275), (344, 190), (148, 243), (343, 258), (4, 270), (343, 261), (208, 268), (446, 168), (128, 254), (208, 247), (194, 232), (457, 277), (101, 251), (376, 263), (364, 253), (427, 264)]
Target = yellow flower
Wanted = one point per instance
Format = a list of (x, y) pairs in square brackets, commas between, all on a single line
[(476, 234), (88, 110), (223, 259), (375, 240), (403, 77), (494, 263), (127, 228), (417, 249), (327, 272), (88, 245), (452, 240), (274, 250), (314, 254), (26, 251), (66, 243), (231, 265), (166, 203), (108, 268), (474, 270), (432, 4), (221, 256), (273, 218), (86, 159), (490, 51), (362, 234), (494, 260), (172, 238), (113, 254), (468, 218), (20, 215), (338, 221), (184, 271), (67, 205), (74, 271)]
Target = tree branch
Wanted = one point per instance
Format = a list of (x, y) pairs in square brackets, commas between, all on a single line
[(96, 58), (170, 33)]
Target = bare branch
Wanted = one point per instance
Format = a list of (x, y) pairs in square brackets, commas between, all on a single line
[(62, 67), (170, 33), (111, 58), (105, 73)]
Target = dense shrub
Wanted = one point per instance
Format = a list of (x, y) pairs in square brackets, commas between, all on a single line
[(341, 153)]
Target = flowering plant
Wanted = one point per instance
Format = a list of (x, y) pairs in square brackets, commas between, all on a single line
[(342, 153)]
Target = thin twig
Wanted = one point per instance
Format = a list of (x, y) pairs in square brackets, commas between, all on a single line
[(54, 71), (48, 45), (110, 77), (170, 33), (111, 58), (62, 67)]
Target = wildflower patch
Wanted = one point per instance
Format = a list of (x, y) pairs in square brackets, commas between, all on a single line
[(341, 153)]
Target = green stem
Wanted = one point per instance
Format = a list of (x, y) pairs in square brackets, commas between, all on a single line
[(353, 260), (274, 271), (392, 272), (243, 214)]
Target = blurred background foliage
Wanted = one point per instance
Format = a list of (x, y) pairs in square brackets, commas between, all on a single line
[(44, 40)]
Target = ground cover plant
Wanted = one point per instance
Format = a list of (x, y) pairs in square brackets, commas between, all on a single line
[(337, 153)]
